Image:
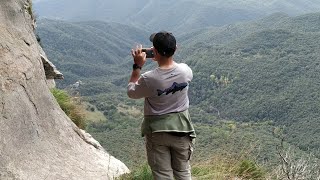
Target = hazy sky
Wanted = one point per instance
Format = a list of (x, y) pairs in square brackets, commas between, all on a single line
[(35, 1)]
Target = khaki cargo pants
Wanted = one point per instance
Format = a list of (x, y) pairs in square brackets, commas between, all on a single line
[(169, 156)]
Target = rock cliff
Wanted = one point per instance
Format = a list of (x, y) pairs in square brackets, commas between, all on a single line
[(37, 139)]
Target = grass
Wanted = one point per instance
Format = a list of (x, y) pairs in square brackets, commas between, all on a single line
[(248, 169), (71, 106), (141, 173), (218, 168), (30, 10), (92, 114), (221, 168)]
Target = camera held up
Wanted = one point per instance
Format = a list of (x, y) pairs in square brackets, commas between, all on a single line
[(149, 52)]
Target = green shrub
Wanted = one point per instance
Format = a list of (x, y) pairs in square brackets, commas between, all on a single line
[(208, 171), (142, 173), (29, 8), (248, 169), (73, 110)]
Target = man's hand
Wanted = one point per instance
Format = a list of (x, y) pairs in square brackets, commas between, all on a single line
[(139, 57)]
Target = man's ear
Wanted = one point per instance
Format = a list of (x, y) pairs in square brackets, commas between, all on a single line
[(155, 53), (154, 49)]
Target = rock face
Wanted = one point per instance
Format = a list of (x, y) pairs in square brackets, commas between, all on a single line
[(51, 71), (37, 139)]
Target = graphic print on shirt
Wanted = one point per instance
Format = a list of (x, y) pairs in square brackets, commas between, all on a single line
[(174, 88)]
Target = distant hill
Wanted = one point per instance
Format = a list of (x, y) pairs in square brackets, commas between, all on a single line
[(271, 73), (285, 6), (173, 15), (215, 36), (88, 49)]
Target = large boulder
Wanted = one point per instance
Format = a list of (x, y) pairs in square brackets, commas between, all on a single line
[(37, 139)]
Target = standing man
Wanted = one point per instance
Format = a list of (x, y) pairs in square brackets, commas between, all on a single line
[(167, 127)]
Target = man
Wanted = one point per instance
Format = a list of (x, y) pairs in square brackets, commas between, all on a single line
[(167, 127)]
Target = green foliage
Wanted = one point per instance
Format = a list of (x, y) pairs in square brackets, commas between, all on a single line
[(217, 169), (87, 50), (248, 169), (229, 165), (274, 72), (73, 110), (141, 173), (30, 9), (221, 80)]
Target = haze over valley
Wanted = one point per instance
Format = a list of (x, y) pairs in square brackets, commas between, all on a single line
[(173, 15)]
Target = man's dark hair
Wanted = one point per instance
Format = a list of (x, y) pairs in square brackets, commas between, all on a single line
[(164, 42)]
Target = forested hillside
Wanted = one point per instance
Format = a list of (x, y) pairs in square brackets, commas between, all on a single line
[(87, 50), (223, 35), (270, 74), (149, 14), (286, 6), (254, 83), (174, 15)]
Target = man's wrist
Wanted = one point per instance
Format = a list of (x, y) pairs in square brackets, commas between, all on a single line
[(135, 75), (136, 66)]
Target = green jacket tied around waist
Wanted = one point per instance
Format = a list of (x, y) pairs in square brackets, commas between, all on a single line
[(172, 122)]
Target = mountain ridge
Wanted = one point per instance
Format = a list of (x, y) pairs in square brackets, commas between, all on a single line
[(152, 15), (99, 46), (175, 16)]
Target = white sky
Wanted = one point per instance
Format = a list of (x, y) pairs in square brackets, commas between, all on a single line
[(35, 1)]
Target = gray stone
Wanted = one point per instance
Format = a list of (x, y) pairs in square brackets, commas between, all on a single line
[(37, 139), (51, 71)]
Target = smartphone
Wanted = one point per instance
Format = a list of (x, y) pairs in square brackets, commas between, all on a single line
[(149, 52)]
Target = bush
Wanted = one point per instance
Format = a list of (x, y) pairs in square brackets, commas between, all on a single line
[(73, 110), (142, 173), (250, 170)]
